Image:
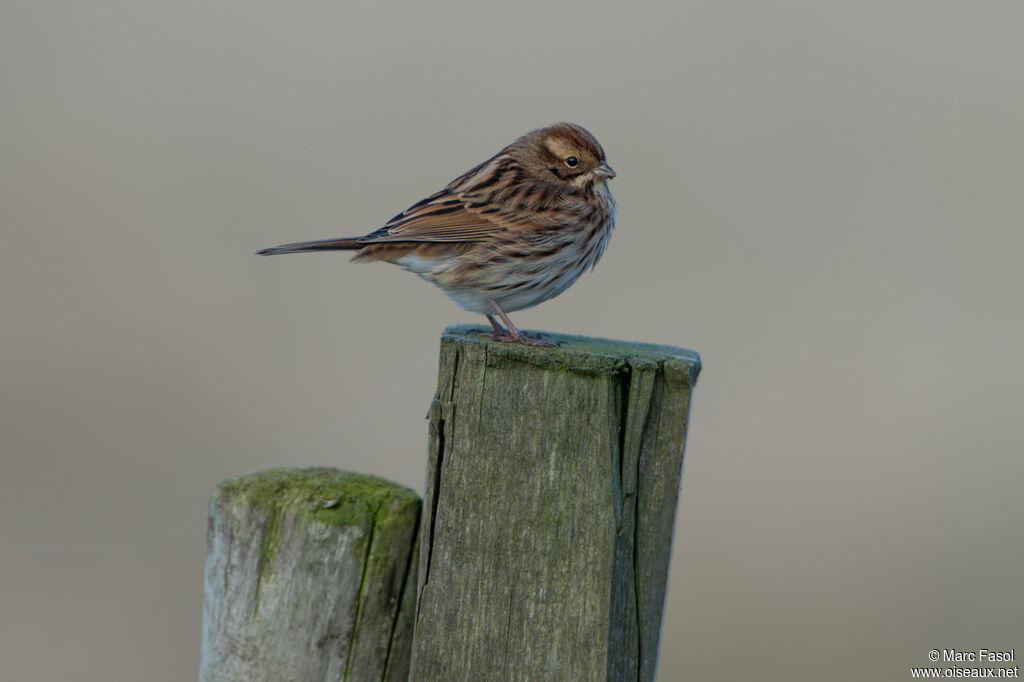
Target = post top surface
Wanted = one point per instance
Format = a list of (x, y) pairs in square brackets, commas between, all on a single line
[(578, 350), (329, 495)]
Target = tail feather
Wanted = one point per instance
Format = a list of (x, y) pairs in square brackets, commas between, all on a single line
[(347, 244)]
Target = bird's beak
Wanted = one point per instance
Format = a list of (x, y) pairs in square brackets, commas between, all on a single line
[(604, 171)]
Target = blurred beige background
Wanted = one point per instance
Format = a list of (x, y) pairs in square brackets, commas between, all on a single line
[(824, 200)]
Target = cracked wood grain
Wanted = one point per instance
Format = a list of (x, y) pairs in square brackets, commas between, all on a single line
[(552, 483)]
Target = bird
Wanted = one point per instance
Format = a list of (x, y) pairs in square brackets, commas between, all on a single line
[(510, 233)]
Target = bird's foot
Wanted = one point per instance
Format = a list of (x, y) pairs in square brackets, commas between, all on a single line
[(512, 334), (506, 336)]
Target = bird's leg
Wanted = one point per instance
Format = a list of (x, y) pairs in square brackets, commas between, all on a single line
[(498, 329), (512, 333), (499, 333)]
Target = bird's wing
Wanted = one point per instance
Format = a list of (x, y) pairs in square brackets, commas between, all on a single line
[(475, 207), (443, 218)]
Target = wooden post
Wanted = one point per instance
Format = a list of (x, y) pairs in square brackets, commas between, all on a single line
[(551, 496), (309, 576)]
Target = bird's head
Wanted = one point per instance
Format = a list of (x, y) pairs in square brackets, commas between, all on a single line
[(563, 152)]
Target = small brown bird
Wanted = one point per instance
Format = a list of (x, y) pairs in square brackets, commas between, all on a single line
[(512, 232)]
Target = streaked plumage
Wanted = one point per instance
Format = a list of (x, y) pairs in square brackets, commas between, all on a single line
[(514, 231)]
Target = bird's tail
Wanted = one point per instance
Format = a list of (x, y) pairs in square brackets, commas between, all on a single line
[(347, 244)]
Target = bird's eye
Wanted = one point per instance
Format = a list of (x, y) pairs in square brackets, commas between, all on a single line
[(572, 161)]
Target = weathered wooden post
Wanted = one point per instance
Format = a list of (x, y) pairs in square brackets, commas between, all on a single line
[(543, 551), (309, 576), (551, 496)]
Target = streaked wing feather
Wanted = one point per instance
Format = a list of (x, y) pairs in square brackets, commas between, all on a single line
[(458, 213), (444, 220)]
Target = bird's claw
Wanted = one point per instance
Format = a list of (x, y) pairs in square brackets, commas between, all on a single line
[(525, 339)]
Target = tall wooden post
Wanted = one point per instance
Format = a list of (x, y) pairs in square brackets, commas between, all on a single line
[(309, 576), (550, 500)]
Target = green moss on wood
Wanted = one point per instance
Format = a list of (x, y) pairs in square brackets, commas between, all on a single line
[(321, 494), (307, 576)]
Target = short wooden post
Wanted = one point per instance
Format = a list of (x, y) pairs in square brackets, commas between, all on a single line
[(309, 576), (551, 496)]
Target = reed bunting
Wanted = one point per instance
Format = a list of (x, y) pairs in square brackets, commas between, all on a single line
[(512, 232)]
